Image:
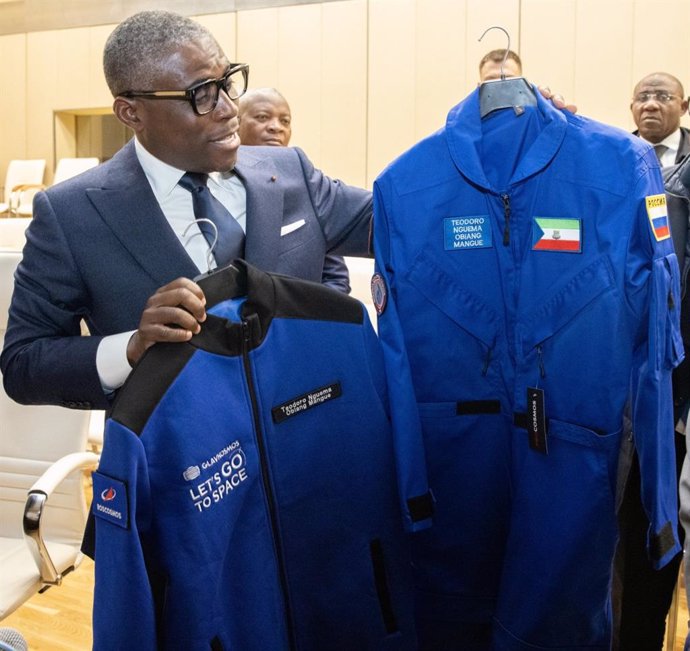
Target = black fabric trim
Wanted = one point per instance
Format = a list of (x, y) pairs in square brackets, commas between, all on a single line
[(520, 420), (661, 543), (421, 507), (147, 384), (382, 588), (216, 644), (467, 407)]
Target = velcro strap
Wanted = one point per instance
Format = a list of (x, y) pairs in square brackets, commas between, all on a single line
[(421, 507), (660, 543), (478, 407)]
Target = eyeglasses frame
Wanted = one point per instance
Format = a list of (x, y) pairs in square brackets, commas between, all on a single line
[(189, 94)]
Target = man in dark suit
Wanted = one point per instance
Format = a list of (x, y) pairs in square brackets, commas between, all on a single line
[(643, 595), (266, 120), (657, 105), (117, 246)]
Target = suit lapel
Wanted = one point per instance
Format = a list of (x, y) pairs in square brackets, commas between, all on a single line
[(128, 206), (264, 209)]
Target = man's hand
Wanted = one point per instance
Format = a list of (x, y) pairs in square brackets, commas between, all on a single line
[(557, 99), (172, 314)]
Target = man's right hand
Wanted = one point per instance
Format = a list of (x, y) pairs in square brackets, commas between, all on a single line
[(172, 314)]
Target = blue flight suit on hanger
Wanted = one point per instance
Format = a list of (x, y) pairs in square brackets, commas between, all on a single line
[(527, 289)]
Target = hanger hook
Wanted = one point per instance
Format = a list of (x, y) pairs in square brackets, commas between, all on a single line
[(209, 255), (505, 54)]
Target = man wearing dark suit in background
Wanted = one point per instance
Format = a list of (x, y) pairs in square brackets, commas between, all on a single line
[(266, 120), (642, 595), (113, 246), (657, 105)]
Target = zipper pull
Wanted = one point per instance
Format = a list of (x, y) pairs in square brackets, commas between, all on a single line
[(506, 213)]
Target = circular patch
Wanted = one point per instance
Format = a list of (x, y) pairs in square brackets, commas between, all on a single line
[(379, 293)]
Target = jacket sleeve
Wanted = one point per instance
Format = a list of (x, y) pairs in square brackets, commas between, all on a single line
[(123, 608), (336, 275), (45, 360), (653, 279), (417, 499), (343, 211)]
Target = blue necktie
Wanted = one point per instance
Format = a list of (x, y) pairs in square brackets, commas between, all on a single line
[(230, 244)]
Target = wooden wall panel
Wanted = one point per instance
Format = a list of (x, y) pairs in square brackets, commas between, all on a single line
[(547, 44), (344, 91), (440, 62), (603, 51), (224, 29), (392, 77), (13, 113), (257, 45)]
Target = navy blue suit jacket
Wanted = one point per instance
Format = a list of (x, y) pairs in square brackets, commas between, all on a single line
[(99, 246)]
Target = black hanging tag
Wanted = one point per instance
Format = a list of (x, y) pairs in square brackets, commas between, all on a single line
[(536, 420)]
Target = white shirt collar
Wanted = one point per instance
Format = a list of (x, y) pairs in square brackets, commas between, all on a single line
[(672, 141)]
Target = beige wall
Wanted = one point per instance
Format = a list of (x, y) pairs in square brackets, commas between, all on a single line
[(366, 78)]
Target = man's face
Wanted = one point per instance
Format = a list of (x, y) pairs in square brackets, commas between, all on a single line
[(172, 131), (492, 70), (266, 120), (657, 107)]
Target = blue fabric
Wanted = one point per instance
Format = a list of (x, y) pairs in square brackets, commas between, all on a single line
[(246, 526), (522, 541)]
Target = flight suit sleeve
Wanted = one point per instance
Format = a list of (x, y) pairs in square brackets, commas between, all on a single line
[(416, 497), (652, 265), (123, 609)]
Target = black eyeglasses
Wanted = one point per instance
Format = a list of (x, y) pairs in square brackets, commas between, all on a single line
[(658, 95), (203, 96)]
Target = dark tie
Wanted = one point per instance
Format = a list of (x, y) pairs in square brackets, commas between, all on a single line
[(230, 243), (660, 151)]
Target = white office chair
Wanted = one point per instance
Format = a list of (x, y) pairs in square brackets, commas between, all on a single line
[(23, 179), (42, 496), (66, 168)]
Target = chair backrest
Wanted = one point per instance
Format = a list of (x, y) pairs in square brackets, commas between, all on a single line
[(13, 233), (8, 263), (20, 172), (66, 168)]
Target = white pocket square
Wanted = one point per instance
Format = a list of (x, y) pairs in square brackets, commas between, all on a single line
[(288, 228)]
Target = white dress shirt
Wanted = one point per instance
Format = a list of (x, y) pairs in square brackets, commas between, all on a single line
[(671, 142), (176, 204)]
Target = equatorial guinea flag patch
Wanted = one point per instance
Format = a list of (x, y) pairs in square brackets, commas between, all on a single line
[(658, 217), (557, 234)]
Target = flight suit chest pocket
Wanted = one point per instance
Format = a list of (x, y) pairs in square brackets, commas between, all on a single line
[(565, 305), (459, 303)]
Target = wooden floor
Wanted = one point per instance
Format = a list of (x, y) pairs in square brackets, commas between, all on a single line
[(60, 619)]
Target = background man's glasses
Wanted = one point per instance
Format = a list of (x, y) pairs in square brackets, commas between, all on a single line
[(658, 95), (203, 96)]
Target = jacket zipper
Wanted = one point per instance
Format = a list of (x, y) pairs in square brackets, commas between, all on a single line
[(263, 460), (506, 213)]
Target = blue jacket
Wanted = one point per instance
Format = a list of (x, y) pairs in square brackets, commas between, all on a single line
[(518, 253), (246, 496)]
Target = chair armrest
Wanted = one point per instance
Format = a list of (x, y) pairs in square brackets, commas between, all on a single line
[(33, 510)]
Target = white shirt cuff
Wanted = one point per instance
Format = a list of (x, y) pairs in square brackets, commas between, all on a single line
[(111, 361)]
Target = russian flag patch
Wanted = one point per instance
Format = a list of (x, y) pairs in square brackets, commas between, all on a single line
[(557, 234), (658, 217)]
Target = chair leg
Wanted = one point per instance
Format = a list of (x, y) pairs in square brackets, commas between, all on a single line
[(672, 618)]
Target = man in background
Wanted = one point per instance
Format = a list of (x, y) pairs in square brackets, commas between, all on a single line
[(265, 119), (657, 105), (490, 65), (643, 595)]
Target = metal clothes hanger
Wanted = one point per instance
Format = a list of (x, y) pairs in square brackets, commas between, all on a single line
[(513, 92)]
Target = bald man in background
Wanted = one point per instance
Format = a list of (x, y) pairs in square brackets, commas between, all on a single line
[(266, 120), (658, 103)]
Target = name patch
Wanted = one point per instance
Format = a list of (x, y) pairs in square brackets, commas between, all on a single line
[(306, 401), (110, 500), (460, 233)]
